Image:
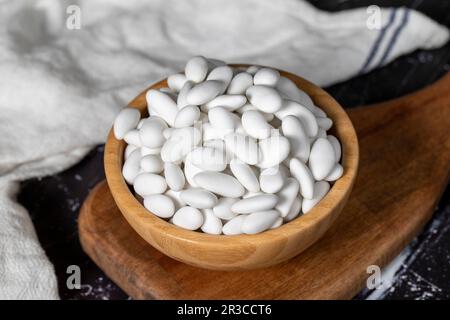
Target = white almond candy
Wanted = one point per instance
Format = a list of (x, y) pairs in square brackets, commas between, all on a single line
[(253, 69), (190, 170), (182, 96), (160, 205), (336, 146), (176, 81), (255, 124), (132, 137), (254, 204), (273, 151), (299, 141), (265, 98), (301, 172), (175, 197), (146, 184), (204, 92), (292, 108), (224, 120), (295, 210), (320, 190), (223, 74), (128, 150), (211, 224), (220, 183), (240, 83), (266, 77), (290, 90), (243, 147), (322, 159), (187, 116), (126, 120), (259, 221), (245, 175), (234, 226), (131, 167), (336, 173), (152, 164), (152, 132), (230, 102), (188, 218), (287, 196), (209, 159), (162, 104), (222, 209), (199, 198), (324, 123), (271, 180), (146, 151), (277, 223), (196, 69), (181, 142), (174, 176)]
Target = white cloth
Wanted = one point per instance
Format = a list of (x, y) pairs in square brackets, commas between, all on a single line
[(60, 88)]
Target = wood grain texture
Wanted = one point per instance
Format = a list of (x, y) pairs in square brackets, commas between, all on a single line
[(404, 167), (241, 252)]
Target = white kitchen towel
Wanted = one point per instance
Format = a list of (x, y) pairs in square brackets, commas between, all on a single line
[(61, 87)]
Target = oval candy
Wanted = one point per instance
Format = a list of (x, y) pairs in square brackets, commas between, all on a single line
[(196, 69), (301, 172), (160, 205), (240, 83), (245, 175), (162, 105), (146, 184), (220, 183), (255, 124), (204, 92), (199, 198), (265, 98), (126, 120), (322, 159), (266, 77), (259, 221), (254, 204), (188, 218), (174, 176), (211, 224)]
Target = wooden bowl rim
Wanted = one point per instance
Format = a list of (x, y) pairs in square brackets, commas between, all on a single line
[(344, 130)]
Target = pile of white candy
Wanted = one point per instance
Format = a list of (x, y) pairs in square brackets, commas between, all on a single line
[(229, 150)]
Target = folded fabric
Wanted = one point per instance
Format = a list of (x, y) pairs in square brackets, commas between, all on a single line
[(61, 88)]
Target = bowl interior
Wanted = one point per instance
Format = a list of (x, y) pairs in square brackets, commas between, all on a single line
[(150, 225)]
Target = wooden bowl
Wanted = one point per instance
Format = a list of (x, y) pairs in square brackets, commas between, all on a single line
[(239, 252)]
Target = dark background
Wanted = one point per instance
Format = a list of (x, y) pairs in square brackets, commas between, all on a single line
[(54, 202)]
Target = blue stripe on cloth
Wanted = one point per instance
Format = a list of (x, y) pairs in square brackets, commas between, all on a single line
[(378, 41), (395, 37)]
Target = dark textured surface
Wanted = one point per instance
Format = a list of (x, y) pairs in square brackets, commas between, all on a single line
[(54, 202)]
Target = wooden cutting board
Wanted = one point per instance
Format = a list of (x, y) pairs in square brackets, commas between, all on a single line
[(404, 167)]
